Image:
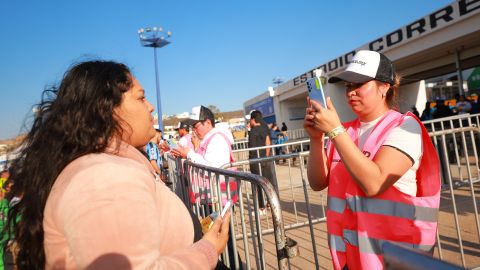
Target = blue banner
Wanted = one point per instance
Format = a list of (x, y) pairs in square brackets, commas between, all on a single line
[(264, 106)]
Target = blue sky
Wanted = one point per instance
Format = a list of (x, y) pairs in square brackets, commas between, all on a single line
[(222, 53)]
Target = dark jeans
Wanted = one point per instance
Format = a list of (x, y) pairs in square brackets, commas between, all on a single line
[(268, 171)]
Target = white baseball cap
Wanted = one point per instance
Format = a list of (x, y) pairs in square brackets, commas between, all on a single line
[(366, 66), (199, 114)]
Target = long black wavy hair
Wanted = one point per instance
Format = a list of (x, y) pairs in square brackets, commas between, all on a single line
[(74, 119)]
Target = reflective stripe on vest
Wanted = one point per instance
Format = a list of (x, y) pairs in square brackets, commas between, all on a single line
[(384, 207), (335, 204), (354, 221), (336, 243), (374, 246)]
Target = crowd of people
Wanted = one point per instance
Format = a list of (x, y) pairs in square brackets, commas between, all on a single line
[(442, 108), (90, 187)]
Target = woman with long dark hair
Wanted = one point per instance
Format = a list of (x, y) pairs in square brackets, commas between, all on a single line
[(90, 198)]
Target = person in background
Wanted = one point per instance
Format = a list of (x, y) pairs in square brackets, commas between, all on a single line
[(284, 126), (427, 112), (153, 152), (274, 131), (282, 138), (4, 206), (247, 125), (185, 137), (374, 165), (463, 106), (91, 200), (474, 103), (214, 150), (258, 136), (415, 112), (442, 110), (215, 145), (3, 179)]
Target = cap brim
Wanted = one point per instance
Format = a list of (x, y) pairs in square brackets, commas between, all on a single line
[(348, 76), (191, 122)]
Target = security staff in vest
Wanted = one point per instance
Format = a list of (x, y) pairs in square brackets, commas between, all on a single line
[(185, 137), (381, 169), (214, 150), (215, 144)]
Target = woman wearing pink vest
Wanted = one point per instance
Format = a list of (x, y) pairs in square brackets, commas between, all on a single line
[(381, 170)]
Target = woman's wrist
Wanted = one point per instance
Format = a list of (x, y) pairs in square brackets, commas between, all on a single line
[(336, 132), (318, 136)]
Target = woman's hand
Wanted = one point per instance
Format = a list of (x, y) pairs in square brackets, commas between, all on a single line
[(309, 124), (320, 118), (218, 234)]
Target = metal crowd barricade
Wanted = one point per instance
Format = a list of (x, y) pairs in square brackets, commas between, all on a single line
[(298, 216), (290, 146), (249, 240), (176, 176), (240, 144), (297, 134), (462, 172), (400, 258)]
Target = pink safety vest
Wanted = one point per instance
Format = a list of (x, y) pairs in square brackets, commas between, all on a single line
[(358, 225), (202, 192)]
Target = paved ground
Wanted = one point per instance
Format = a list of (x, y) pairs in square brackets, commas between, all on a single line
[(291, 191)]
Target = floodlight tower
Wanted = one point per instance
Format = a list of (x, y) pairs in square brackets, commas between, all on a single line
[(155, 38)]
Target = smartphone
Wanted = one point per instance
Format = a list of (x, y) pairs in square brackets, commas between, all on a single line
[(172, 144), (226, 208), (315, 88), (208, 221)]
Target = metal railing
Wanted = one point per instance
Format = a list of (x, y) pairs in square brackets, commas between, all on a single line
[(245, 225), (296, 221), (291, 146), (401, 258)]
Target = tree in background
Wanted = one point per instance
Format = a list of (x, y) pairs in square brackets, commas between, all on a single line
[(215, 110)]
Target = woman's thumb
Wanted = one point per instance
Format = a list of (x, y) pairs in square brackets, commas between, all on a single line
[(217, 224), (330, 104)]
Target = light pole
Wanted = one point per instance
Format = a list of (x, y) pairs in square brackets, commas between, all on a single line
[(277, 81), (155, 37)]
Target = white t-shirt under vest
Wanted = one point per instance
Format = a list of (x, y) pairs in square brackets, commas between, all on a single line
[(407, 138)]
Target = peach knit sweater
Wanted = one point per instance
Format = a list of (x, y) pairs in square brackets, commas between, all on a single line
[(109, 211)]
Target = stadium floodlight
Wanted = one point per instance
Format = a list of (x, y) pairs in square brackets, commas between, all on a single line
[(155, 38)]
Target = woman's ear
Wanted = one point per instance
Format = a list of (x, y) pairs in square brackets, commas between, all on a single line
[(384, 87), (387, 86)]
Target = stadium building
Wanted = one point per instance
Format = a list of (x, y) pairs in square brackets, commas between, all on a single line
[(438, 57)]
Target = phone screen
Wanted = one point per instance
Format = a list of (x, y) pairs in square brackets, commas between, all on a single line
[(315, 90), (227, 207), (172, 144)]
